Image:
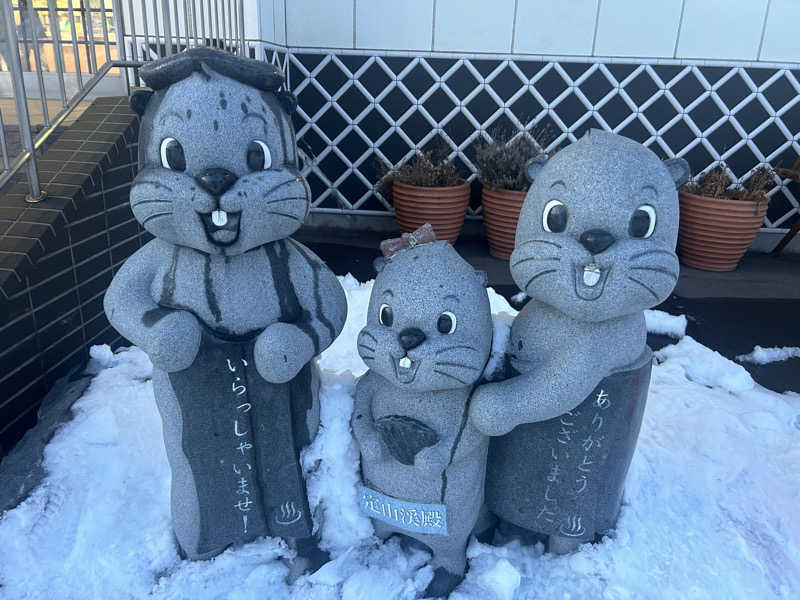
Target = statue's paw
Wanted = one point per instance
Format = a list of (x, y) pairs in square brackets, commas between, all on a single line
[(431, 461), (281, 350), (174, 341), (486, 412)]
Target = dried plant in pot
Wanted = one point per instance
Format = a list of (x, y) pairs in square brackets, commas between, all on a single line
[(428, 189), (719, 220), (501, 170)]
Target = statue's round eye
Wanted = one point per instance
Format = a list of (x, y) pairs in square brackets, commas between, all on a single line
[(446, 323), (385, 315), (172, 156), (643, 222), (258, 156), (554, 217)]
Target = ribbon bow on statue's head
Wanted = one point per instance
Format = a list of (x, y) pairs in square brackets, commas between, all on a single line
[(423, 235)]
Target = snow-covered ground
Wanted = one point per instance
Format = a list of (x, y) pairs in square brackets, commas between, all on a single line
[(764, 356), (710, 508)]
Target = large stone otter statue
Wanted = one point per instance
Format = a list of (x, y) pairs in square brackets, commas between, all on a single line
[(228, 307), (595, 246)]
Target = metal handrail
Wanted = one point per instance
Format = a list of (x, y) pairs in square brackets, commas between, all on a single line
[(226, 36), (45, 134), (15, 66)]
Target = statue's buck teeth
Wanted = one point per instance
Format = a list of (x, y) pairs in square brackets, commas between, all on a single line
[(405, 362), (591, 275), (219, 218)]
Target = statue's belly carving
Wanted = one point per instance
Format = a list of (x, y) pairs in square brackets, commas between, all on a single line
[(232, 296)]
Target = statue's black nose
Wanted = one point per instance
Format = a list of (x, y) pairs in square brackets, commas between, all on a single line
[(216, 181), (596, 240), (410, 338)]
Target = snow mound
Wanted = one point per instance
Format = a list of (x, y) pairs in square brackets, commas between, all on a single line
[(705, 366), (332, 471), (342, 356), (763, 356), (502, 317), (710, 505), (664, 323), (519, 297)]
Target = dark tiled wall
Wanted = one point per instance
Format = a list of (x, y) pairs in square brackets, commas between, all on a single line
[(58, 256)]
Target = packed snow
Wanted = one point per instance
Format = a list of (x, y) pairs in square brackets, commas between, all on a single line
[(710, 507), (666, 324), (707, 367), (763, 356)]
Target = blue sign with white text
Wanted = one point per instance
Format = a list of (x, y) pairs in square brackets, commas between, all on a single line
[(414, 517)]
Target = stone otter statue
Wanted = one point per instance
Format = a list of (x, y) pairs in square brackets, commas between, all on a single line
[(228, 307), (595, 246), (426, 342)]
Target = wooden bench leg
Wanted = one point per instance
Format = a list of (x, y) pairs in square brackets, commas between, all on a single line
[(787, 238)]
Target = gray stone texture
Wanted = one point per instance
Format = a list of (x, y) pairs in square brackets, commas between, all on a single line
[(228, 307), (582, 459), (411, 422), (594, 248)]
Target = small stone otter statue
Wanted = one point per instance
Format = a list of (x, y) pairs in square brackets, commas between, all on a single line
[(426, 342), (595, 246), (228, 307)]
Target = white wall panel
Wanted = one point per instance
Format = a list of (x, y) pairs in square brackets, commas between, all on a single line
[(638, 28), (727, 30), (265, 21), (320, 23), (402, 25), (252, 18), (782, 33), (468, 26), (555, 26), (279, 16), (721, 29)]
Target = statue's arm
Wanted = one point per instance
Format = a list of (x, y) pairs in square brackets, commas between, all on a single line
[(170, 337), (282, 349), (362, 422), (551, 389), (325, 307), (472, 439)]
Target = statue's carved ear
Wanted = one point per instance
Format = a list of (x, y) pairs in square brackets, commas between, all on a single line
[(534, 166), (379, 263), (482, 277), (139, 100), (679, 170), (288, 100)]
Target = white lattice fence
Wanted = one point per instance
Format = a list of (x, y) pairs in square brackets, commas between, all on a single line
[(356, 109)]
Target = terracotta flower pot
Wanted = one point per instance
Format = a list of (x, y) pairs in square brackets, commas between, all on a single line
[(443, 207), (715, 233), (500, 214)]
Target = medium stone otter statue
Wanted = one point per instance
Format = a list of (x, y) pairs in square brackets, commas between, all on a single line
[(426, 342), (228, 307), (595, 246)]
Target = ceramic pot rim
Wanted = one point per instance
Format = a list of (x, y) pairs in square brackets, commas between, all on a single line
[(463, 183), (495, 190), (726, 202)]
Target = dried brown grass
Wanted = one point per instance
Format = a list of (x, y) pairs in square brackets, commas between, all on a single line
[(501, 162), (431, 168)]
